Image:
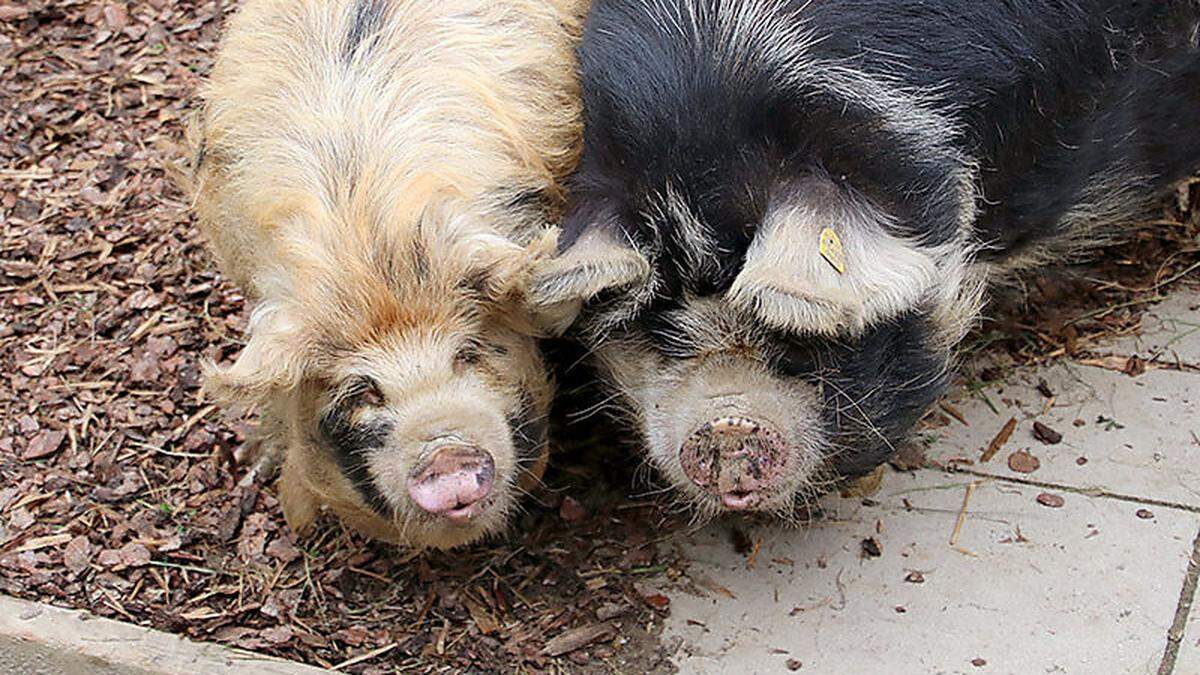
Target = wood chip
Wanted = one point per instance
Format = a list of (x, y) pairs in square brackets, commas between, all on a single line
[(962, 514), (910, 457), (43, 445), (366, 657), (612, 610), (864, 486), (483, 619), (661, 602), (871, 548), (1044, 389), (1045, 434), (577, 638), (77, 556), (1132, 366), (954, 412), (999, 441), (703, 582), (44, 542)]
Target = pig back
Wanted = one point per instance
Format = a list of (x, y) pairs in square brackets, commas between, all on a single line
[(329, 121)]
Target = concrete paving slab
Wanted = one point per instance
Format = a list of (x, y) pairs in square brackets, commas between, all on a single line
[(1137, 436), (1087, 587), (38, 639), (1170, 331)]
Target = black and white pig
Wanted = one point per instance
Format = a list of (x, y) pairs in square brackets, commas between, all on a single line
[(787, 209)]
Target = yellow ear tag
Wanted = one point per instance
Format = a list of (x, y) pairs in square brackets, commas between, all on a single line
[(832, 251)]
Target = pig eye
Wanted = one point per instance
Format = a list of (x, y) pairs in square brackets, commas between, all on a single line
[(468, 355), (365, 391)]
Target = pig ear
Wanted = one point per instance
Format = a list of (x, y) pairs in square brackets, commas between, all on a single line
[(272, 359), (830, 267), (497, 266), (599, 260)]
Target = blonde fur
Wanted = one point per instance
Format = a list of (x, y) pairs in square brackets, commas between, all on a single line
[(362, 169)]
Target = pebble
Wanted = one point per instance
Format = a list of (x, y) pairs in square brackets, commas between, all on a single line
[(1053, 501)]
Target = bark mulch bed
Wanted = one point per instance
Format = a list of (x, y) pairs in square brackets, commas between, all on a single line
[(116, 489), (117, 492)]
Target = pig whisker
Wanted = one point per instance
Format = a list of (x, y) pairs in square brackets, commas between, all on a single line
[(602, 406), (645, 474), (652, 493), (524, 492), (590, 352), (865, 420)]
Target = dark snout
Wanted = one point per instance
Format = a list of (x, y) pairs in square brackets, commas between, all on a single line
[(740, 460)]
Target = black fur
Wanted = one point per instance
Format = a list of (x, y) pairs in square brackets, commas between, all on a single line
[(351, 443), (1046, 95), (1040, 99), (367, 21), (875, 389)]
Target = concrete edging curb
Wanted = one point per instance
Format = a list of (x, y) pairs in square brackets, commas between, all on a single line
[(40, 638)]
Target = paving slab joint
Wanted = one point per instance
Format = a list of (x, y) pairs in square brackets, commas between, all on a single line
[(1085, 491), (1187, 596)]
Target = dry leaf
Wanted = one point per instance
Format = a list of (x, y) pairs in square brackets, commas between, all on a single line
[(1023, 462), (1053, 501), (1045, 434)]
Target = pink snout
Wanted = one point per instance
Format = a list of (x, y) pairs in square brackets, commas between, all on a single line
[(738, 459), (454, 482)]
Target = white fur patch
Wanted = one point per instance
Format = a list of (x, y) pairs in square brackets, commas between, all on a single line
[(789, 284), (596, 262), (698, 248)]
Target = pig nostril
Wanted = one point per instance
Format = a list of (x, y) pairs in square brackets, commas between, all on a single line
[(739, 500), (736, 459), (453, 483)]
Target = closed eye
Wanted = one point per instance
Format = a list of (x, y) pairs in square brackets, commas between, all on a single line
[(468, 355), (363, 390)]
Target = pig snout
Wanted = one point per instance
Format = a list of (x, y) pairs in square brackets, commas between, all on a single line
[(454, 482), (738, 459)]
